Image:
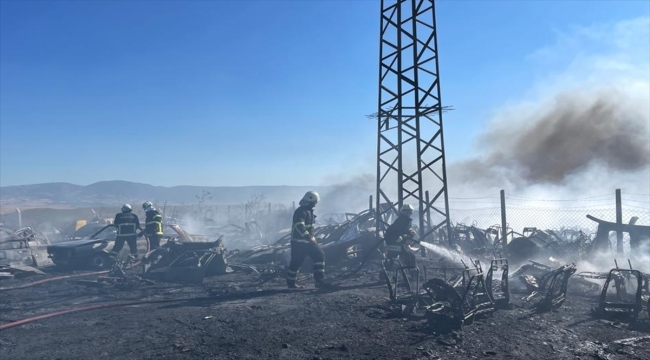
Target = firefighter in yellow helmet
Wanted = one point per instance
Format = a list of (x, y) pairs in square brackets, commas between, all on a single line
[(303, 242), (153, 227), (399, 235)]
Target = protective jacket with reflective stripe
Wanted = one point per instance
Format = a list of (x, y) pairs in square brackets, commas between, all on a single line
[(127, 223), (153, 223), (303, 224)]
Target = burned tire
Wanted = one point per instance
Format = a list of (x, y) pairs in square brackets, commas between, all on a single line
[(100, 261)]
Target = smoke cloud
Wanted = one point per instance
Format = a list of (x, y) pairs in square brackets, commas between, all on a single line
[(582, 130), (351, 195), (584, 127), (569, 134)]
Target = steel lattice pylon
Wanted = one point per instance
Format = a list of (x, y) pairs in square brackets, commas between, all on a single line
[(410, 146)]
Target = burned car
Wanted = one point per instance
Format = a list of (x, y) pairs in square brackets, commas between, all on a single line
[(92, 252), (23, 247), (90, 228), (353, 238)]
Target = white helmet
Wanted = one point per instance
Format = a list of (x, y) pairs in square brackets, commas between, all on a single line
[(406, 209), (146, 204), (310, 198), (126, 208)]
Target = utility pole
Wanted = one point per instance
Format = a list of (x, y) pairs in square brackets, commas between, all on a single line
[(410, 144)]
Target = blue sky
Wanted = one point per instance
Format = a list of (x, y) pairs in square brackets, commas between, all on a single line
[(244, 92)]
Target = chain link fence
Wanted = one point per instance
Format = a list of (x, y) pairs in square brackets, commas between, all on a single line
[(564, 218)]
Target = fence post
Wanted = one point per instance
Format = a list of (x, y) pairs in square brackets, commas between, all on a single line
[(619, 222), (20, 218), (504, 224), (370, 203)]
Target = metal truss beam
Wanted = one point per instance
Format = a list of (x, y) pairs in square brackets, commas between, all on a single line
[(410, 146)]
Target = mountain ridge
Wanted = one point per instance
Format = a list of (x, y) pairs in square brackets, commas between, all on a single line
[(112, 192)]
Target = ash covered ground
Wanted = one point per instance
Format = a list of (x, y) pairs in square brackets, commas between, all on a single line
[(247, 316)]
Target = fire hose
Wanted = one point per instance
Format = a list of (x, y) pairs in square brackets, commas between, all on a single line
[(107, 305), (23, 286), (80, 309)]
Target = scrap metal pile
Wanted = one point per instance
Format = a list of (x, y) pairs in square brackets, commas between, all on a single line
[(450, 289), (22, 252), (354, 238), (624, 292)]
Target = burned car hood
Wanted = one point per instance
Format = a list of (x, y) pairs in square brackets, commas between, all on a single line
[(77, 243)]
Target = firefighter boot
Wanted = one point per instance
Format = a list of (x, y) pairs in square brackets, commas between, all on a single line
[(322, 284), (292, 285)]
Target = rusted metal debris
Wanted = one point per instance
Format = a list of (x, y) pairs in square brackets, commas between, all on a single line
[(23, 247), (399, 270), (639, 234), (566, 245), (472, 240), (551, 290), (352, 239), (92, 252), (188, 262), (459, 300), (497, 283), (623, 292)]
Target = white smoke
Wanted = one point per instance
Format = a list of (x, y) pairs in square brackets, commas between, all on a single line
[(583, 129)]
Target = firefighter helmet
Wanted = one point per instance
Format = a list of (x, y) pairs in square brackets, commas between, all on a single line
[(311, 198), (406, 209)]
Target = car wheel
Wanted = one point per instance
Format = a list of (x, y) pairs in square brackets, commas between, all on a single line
[(100, 261)]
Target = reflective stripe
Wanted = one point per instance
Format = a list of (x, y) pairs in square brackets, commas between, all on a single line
[(129, 226), (303, 233), (319, 267), (157, 223), (393, 248), (291, 275)]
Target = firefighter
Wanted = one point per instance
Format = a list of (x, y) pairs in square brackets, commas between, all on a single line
[(303, 242), (398, 235), (127, 224), (153, 227)]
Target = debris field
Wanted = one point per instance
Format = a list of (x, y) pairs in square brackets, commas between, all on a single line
[(193, 298), (235, 316)]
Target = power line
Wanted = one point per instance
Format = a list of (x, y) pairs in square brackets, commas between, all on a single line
[(635, 194), (591, 198)]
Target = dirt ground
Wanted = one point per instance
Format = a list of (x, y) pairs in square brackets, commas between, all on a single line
[(241, 316)]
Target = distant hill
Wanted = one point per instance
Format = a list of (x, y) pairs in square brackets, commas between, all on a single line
[(110, 193)]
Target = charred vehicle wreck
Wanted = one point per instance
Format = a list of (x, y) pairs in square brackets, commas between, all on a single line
[(354, 238), (623, 293), (23, 247), (92, 252)]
